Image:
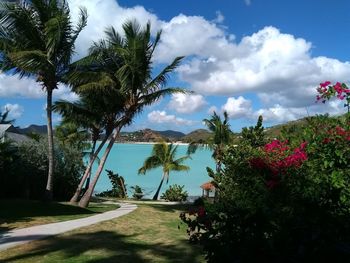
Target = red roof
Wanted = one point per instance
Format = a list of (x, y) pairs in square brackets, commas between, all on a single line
[(208, 186)]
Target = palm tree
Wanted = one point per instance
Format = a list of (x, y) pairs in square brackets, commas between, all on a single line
[(70, 134), (93, 113), (221, 136), (132, 58), (37, 40), (163, 155)]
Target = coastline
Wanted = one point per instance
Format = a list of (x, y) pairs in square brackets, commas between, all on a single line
[(151, 143)]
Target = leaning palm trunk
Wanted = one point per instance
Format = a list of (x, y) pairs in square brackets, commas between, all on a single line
[(84, 201), (155, 197), (87, 172), (91, 161), (49, 185)]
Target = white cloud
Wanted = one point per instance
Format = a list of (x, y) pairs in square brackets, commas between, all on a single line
[(161, 117), (281, 114), (238, 108), (15, 110), (219, 17), (13, 86), (274, 65), (106, 13), (193, 35), (248, 2), (184, 103)]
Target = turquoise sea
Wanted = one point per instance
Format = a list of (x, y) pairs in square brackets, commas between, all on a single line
[(125, 159)]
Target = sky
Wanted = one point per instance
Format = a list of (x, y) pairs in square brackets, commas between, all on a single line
[(246, 57)]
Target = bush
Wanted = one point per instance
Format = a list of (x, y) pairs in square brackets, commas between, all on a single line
[(282, 202), (138, 192), (118, 186), (26, 171), (175, 193)]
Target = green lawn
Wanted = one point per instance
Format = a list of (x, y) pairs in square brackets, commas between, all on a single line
[(148, 234), (24, 213)]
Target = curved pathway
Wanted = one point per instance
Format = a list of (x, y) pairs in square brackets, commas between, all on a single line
[(20, 236)]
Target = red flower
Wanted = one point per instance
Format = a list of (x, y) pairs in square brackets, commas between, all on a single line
[(340, 131), (325, 84), (326, 140), (271, 183), (201, 211)]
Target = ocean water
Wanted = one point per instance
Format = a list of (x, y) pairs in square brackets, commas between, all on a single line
[(125, 159)]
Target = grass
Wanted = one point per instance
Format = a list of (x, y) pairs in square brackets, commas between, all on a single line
[(24, 213), (148, 234)]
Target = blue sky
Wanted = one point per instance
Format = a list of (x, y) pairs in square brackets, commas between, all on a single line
[(246, 57)]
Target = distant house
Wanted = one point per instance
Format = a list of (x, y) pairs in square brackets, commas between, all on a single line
[(9, 133), (208, 189)]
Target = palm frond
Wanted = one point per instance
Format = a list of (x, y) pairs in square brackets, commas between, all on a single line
[(161, 79)]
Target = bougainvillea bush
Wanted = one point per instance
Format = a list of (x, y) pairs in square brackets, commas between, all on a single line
[(282, 202), (327, 90)]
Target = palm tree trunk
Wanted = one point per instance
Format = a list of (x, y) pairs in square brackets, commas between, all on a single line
[(155, 197), (218, 166), (91, 160), (49, 185), (84, 201), (77, 193)]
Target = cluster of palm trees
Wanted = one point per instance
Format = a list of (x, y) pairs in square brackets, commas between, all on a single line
[(114, 81)]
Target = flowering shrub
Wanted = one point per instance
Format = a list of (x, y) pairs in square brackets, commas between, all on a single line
[(281, 202), (327, 91), (277, 160)]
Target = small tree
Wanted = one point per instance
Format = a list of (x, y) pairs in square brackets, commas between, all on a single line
[(163, 155), (175, 193), (254, 135)]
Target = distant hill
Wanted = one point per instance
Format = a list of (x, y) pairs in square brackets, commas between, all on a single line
[(39, 129), (274, 131), (171, 134), (200, 135)]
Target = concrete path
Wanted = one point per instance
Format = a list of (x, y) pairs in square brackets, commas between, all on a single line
[(20, 236)]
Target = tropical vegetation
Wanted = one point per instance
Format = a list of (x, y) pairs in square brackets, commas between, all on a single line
[(280, 200), (23, 169), (37, 40), (221, 136), (121, 66), (164, 155), (118, 186), (175, 193)]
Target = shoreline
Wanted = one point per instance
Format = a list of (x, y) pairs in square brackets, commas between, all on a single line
[(150, 143)]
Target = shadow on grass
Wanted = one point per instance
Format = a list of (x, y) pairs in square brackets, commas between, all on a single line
[(23, 210), (105, 246), (171, 208)]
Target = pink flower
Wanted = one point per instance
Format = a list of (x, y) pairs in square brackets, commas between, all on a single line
[(325, 84), (303, 145)]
